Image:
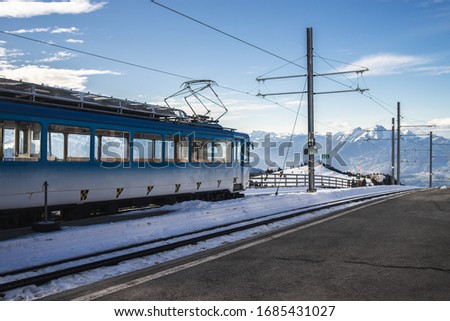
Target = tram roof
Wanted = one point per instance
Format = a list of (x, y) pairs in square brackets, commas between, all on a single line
[(85, 101)]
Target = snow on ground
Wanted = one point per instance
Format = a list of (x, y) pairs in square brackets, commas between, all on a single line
[(71, 241)]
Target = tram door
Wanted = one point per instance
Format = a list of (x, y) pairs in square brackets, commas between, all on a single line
[(239, 163)]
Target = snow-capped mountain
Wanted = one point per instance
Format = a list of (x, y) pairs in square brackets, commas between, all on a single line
[(366, 151)]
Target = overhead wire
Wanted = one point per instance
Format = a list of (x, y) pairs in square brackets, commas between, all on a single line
[(278, 68), (226, 34), (96, 55), (135, 65), (332, 79), (343, 62), (288, 62), (335, 69), (377, 101), (256, 96), (275, 103), (292, 132), (368, 95), (386, 106)]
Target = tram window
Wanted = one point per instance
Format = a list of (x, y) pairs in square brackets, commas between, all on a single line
[(237, 152), (222, 151), (112, 145), (177, 148), (55, 146), (147, 147), (158, 149), (247, 146), (169, 154), (68, 143), (202, 151), (181, 149), (20, 141)]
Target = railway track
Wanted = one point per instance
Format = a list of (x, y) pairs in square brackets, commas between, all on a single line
[(44, 273)]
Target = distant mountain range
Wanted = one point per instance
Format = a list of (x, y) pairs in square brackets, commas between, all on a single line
[(366, 151)]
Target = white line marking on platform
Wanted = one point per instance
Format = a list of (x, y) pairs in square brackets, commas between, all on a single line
[(129, 284)]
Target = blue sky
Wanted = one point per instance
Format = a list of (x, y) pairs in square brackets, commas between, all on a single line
[(404, 43)]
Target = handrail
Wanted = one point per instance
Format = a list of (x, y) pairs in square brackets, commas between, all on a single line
[(297, 180)]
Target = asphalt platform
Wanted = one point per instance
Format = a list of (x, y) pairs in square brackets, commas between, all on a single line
[(398, 249)]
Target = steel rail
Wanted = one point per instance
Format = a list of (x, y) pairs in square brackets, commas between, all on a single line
[(220, 230)]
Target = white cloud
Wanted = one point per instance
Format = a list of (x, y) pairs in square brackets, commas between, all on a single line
[(30, 8), (389, 64), (5, 55), (435, 70), (3, 61), (335, 127), (32, 30), (441, 123), (74, 41), (59, 56), (442, 126), (15, 53), (68, 78), (47, 29), (65, 30)]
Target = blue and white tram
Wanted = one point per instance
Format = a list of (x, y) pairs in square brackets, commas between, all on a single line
[(96, 152)]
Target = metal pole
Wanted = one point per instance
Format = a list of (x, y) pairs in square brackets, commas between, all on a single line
[(45, 201), (431, 159), (329, 145), (311, 140), (393, 152), (398, 143)]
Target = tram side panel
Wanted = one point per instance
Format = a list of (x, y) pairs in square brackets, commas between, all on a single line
[(104, 160), (22, 186)]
